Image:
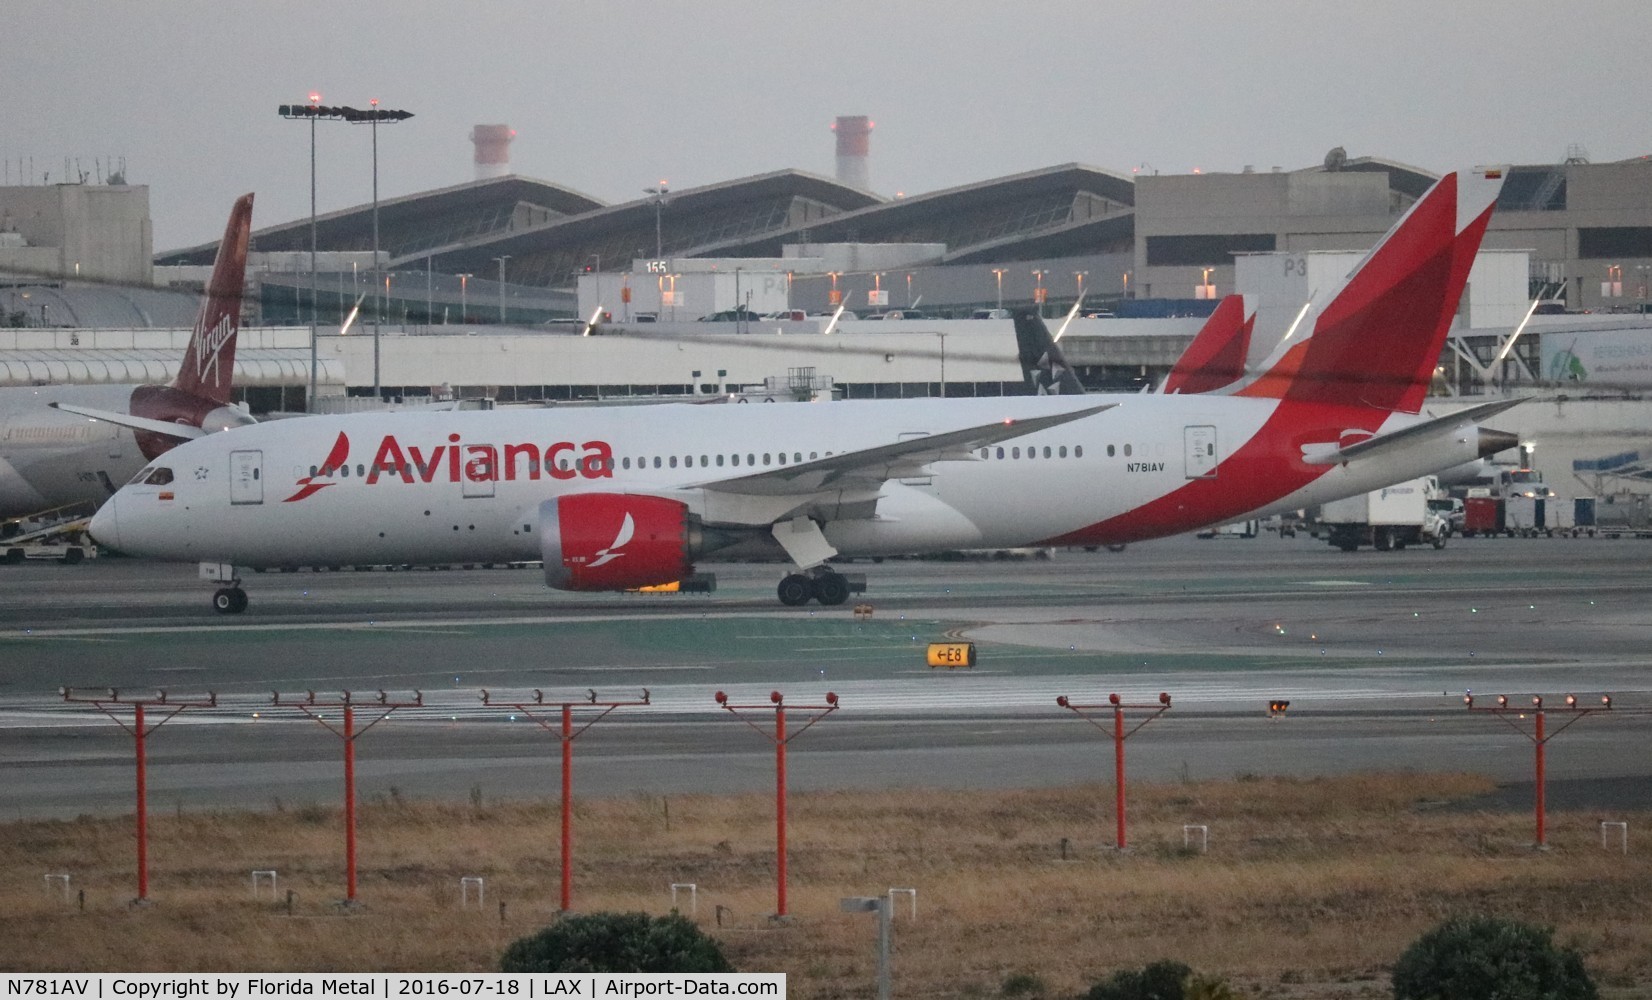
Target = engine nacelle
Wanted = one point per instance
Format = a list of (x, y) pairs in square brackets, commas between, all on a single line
[(615, 541)]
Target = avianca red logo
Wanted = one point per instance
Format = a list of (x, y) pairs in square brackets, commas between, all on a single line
[(456, 462), (308, 486), (627, 531)]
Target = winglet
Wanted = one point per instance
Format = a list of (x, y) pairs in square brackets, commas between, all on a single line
[(208, 368)]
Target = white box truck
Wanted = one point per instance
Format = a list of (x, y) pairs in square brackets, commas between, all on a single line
[(1390, 518)]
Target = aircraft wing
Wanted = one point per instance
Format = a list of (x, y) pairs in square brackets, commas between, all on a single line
[(180, 431), (1330, 454), (868, 466)]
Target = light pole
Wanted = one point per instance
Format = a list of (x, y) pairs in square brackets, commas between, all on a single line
[(501, 261), (464, 284), (373, 116), (315, 111), (312, 111), (1080, 276), (1038, 292), (998, 272), (659, 194)]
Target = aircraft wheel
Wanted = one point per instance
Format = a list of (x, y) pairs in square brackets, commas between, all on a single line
[(229, 600), (831, 589), (1116, 548), (796, 590)]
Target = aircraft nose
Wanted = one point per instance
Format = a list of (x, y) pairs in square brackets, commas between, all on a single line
[(105, 525)]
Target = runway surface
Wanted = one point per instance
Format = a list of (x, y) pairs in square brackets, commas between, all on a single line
[(1374, 651)]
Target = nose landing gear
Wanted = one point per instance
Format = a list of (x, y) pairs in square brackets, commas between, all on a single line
[(231, 600)]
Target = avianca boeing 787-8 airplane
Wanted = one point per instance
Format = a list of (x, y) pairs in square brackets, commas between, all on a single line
[(627, 497)]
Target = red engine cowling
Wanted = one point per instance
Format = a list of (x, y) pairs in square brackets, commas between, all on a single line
[(613, 541)]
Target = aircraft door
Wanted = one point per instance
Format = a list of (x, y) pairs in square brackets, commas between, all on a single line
[(916, 480), (246, 477), (479, 470), (1200, 449)]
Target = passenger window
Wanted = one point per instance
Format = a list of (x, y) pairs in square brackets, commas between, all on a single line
[(1000, 452), (1126, 451), (719, 461), (656, 461), (704, 461), (1046, 451), (359, 469), (765, 458), (1078, 450), (673, 461), (1109, 451), (813, 455), (1015, 452), (750, 459), (782, 458), (625, 463), (1062, 451)]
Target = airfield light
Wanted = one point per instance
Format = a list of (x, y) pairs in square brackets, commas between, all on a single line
[(1539, 737), (781, 739), (1119, 735)]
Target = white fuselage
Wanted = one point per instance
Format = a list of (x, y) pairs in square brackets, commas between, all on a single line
[(467, 486)]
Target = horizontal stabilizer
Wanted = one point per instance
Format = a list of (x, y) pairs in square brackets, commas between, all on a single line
[(183, 432), (1329, 454)]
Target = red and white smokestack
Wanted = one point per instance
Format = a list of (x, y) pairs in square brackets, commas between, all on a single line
[(493, 154), (854, 141)]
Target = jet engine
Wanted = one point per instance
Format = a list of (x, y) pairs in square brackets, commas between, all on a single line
[(614, 541)]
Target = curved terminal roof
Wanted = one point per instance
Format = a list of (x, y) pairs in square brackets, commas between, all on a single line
[(1003, 213), (691, 223), (416, 222), (550, 233), (95, 306)]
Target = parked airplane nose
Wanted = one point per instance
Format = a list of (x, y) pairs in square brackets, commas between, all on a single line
[(105, 525)]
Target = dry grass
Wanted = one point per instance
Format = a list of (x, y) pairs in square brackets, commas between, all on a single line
[(1310, 888)]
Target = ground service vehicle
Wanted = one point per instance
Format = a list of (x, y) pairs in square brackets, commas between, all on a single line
[(1390, 518)]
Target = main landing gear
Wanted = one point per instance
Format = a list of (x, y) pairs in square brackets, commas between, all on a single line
[(231, 600), (827, 587)]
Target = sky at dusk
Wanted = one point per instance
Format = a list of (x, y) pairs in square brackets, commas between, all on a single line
[(608, 98)]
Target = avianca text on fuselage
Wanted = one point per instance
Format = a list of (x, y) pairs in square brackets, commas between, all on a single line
[(456, 461)]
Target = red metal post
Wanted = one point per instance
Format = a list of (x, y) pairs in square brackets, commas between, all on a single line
[(781, 738), (1541, 742), (169, 709), (1119, 734), (1118, 769), (143, 806), (349, 804), (566, 733), (567, 807), (780, 804)]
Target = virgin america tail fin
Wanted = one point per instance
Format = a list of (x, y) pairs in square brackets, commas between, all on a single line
[(1216, 358), (1376, 340), (208, 368)]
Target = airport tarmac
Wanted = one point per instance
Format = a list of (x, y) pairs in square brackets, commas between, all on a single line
[(1373, 650)]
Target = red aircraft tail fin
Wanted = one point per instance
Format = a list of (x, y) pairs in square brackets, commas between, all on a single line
[(1216, 358), (1376, 340), (208, 368)]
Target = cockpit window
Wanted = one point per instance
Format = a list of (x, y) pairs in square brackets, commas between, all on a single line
[(159, 477), (143, 474)]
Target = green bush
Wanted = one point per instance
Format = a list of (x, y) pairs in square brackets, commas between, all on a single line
[(1485, 958), (616, 942), (1162, 980)]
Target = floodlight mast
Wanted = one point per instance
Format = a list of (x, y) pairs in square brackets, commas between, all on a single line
[(534, 711), (780, 738)]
